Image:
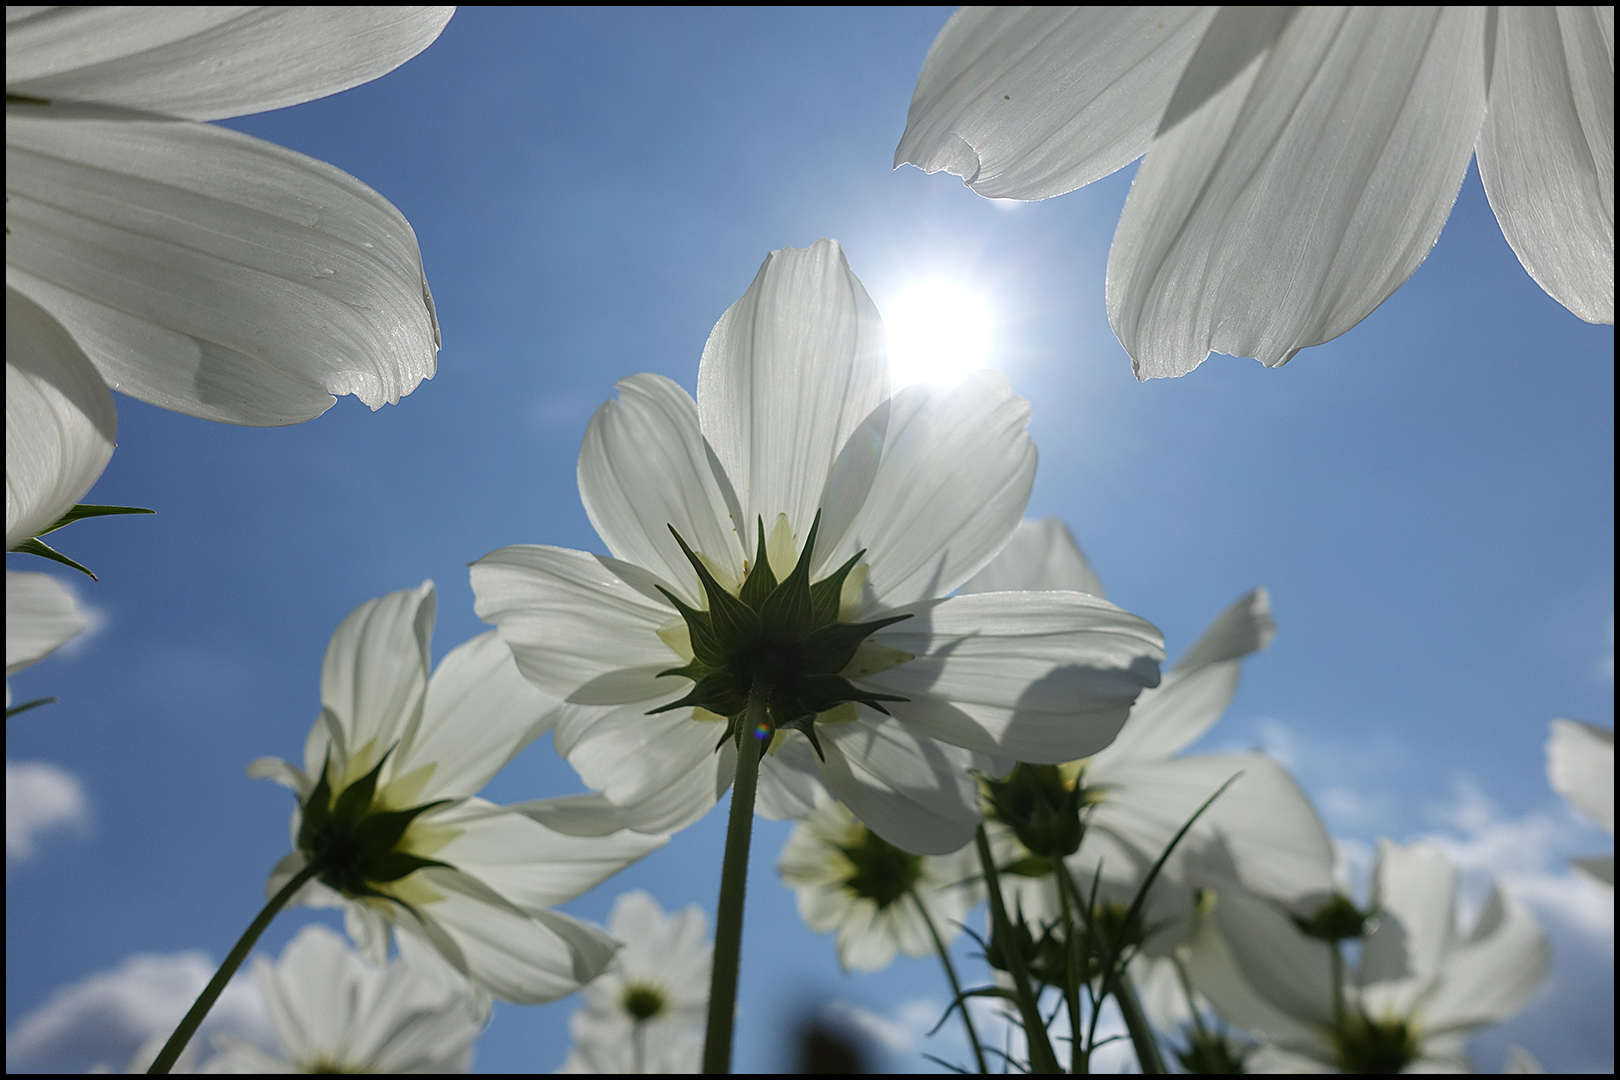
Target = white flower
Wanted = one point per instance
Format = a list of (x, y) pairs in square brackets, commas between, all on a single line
[(40, 617), (1580, 767), (1300, 161), (473, 880), (880, 899), (1422, 985), (333, 1012), (914, 493), (1261, 832), (182, 263), (645, 1013)]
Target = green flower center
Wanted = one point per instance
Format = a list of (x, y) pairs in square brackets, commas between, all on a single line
[(780, 638), (1337, 920), (1365, 1045), (356, 843), (882, 872), (642, 1000)]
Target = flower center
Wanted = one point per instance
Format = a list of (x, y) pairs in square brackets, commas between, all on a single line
[(355, 840), (642, 1000), (778, 638), (1366, 1045), (882, 872)]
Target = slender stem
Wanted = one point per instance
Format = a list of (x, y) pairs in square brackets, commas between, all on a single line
[(1147, 1048), (1338, 983), (950, 973), (733, 887), (1079, 1052), (638, 1062), (205, 1001), (1041, 1058), (1192, 999)]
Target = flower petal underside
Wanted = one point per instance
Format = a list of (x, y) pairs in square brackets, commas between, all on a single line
[(375, 673), (1289, 205), (209, 63), (912, 791), (1041, 555), (216, 274), (40, 617), (60, 421), (1546, 152)]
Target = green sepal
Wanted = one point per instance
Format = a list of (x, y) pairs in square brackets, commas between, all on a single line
[(1032, 866), (1335, 921), (90, 510), (386, 828), (832, 647), (818, 693), (761, 579), (317, 810), (18, 710), (731, 619), (1035, 803), (705, 645), (786, 614), (36, 546), (355, 799), (807, 725), (827, 594), (397, 864), (720, 692)]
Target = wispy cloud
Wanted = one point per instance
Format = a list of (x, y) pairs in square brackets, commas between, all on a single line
[(105, 1018), (41, 798)]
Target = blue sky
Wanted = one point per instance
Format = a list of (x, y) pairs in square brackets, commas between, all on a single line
[(1429, 499)]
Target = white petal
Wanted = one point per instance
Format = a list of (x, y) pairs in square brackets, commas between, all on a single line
[(213, 273), (1598, 867), (40, 617), (478, 714), (643, 469), (529, 864), (1037, 676), (1504, 962), (1215, 972), (567, 617), (948, 490), (790, 784), (1580, 767), (591, 814), (1197, 690), (1290, 972), (281, 772), (788, 373), (1287, 207), (208, 63), (1546, 152), (1415, 894), (527, 959), (1025, 103), (1041, 555), (663, 771), (375, 672), (912, 791), (60, 422)]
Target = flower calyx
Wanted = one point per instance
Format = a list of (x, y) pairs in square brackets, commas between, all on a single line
[(1040, 808), (779, 637), (881, 872), (1363, 1044), (355, 843), (1337, 920)]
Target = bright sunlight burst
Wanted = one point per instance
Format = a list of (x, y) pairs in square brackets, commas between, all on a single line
[(938, 332)]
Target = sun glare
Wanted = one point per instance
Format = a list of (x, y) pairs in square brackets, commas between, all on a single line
[(938, 332)]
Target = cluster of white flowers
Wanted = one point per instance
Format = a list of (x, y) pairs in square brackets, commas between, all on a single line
[(812, 574)]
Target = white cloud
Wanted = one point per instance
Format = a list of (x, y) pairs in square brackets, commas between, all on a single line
[(105, 1018), (41, 797)]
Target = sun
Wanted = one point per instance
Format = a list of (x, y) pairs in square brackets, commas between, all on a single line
[(938, 331)]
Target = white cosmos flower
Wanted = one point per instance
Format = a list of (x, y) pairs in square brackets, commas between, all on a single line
[(1300, 160), (645, 1013), (793, 420), (878, 898), (1421, 987), (182, 263), (1580, 767), (485, 876), (334, 1012), (1261, 832), (40, 618)]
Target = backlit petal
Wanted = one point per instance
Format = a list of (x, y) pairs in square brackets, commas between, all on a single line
[(1041, 555), (1503, 963), (912, 791), (1580, 767), (1285, 209), (40, 617), (375, 671)]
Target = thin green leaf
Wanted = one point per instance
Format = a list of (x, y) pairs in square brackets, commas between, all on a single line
[(17, 710), (90, 510), (36, 546)]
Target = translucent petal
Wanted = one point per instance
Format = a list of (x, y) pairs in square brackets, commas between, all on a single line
[(209, 63), (1495, 972), (912, 791), (40, 617), (375, 672), (1289, 972), (1415, 894), (213, 273), (1580, 767), (1041, 555), (1546, 152), (1285, 209), (60, 422)]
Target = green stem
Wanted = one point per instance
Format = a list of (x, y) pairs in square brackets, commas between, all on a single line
[(733, 887), (1192, 998), (205, 1001), (1147, 1048), (950, 973), (1079, 1053), (1041, 1058)]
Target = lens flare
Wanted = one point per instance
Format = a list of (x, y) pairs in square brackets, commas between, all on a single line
[(938, 331)]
